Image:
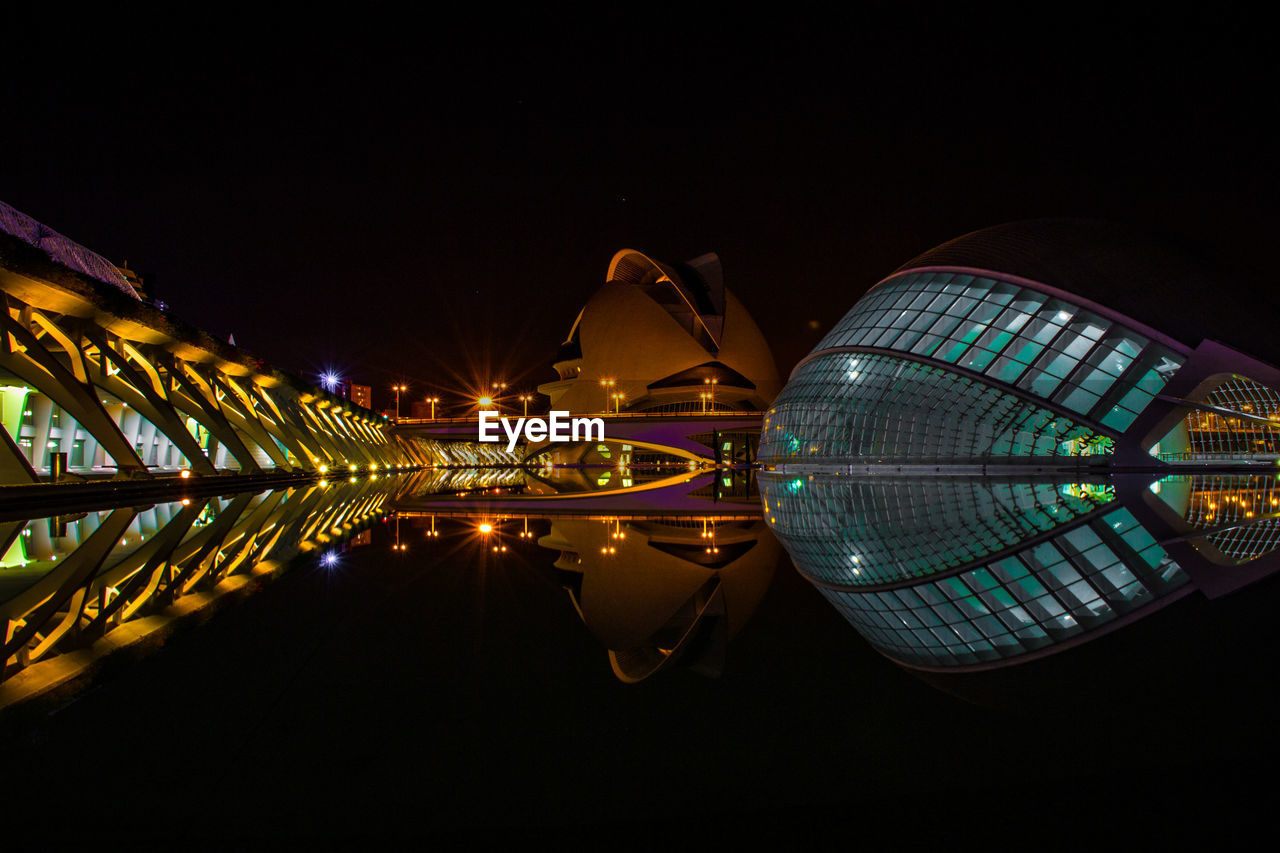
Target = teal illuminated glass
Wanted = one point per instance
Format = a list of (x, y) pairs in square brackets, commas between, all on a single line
[(876, 406), (890, 529), (1015, 335), (1078, 581)]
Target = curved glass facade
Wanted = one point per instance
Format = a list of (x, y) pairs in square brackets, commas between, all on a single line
[(881, 407), (1015, 335), (1238, 419)]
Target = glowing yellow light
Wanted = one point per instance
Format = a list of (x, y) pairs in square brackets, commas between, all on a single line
[(485, 527), (485, 401), (185, 474)]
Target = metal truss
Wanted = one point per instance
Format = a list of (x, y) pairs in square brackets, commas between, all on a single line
[(71, 580), (124, 388)]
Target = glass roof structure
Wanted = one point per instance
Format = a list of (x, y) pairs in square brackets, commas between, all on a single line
[(1050, 348), (952, 366), (901, 458)]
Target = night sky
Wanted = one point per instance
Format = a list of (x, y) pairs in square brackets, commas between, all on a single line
[(435, 207)]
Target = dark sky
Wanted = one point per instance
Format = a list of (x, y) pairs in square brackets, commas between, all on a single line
[(437, 206)]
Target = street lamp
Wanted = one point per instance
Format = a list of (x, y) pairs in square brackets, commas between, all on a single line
[(330, 381), (433, 401), (525, 398), (607, 384), (398, 389), (711, 383)]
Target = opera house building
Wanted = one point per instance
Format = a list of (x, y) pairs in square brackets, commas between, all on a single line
[(1004, 390), (663, 338)]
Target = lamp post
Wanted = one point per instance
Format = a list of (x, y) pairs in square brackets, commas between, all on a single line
[(433, 401), (525, 398), (398, 389), (711, 395), (607, 384)]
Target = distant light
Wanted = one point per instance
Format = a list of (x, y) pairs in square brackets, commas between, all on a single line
[(330, 380), (329, 559), (185, 474), (485, 401), (485, 527)]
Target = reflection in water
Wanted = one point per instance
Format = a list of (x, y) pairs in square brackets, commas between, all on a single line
[(663, 566), (435, 481), (655, 585), (572, 479), (66, 581), (959, 573), (1239, 515), (659, 590)]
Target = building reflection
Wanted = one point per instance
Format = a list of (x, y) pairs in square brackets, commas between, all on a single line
[(658, 586), (660, 592), (956, 574), (664, 565), (67, 581)]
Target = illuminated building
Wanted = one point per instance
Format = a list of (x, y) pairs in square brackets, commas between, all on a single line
[(1051, 338), (1055, 345), (362, 395), (663, 338), (125, 389)]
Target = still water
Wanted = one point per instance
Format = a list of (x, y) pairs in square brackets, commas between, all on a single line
[(438, 654)]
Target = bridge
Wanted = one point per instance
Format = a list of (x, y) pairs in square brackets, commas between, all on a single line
[(96, 382), (720, 437)]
